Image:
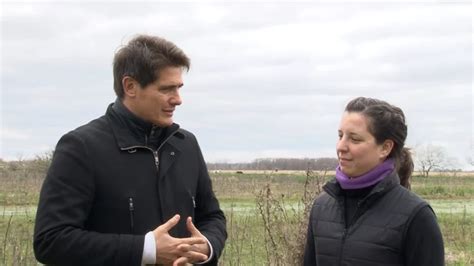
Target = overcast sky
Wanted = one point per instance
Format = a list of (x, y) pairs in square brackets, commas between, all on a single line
[(268, 79)]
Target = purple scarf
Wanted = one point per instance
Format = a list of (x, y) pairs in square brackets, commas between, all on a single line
[(368, 179)]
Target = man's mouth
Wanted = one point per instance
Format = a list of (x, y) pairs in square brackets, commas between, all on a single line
[(168, 112)]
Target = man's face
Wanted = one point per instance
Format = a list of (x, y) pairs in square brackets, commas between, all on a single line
[(156, 102)]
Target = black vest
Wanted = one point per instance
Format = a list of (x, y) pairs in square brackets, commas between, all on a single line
[(376, 235)]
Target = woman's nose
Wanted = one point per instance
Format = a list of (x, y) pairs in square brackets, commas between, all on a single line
[(341, 145)]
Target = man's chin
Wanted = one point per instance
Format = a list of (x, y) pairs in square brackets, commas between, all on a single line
[(164, 123)]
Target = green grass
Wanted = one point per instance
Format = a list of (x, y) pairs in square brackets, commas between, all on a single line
[(16, 233), (458, 234), (245, 243), (444, 187), (452, 198)]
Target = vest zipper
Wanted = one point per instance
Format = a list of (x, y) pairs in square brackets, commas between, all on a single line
[(347, 226), (344, 232), (357, 213), (131, 208), (343, 240)]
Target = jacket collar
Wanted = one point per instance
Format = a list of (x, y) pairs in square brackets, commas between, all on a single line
[(130, 131), (388, 183)]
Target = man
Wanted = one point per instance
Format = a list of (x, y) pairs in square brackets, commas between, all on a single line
[(131, 187)]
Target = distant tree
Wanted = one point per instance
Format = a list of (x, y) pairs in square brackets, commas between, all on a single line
[(326, 164), (42, 161), (320, 164), (430, 157)]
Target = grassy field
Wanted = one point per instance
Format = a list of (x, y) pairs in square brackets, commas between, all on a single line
[(266, 214)]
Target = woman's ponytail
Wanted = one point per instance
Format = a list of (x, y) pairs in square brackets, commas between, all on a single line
[(405, 167)]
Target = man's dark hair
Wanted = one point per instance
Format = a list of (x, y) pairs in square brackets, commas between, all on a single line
[(143, 58)]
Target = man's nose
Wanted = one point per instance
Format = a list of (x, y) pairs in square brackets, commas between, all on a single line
[(176, 99)]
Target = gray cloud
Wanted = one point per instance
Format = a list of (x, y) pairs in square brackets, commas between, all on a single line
[(267, 79)]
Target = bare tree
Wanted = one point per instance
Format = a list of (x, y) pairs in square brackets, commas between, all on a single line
[(470, 160), (429, 157)]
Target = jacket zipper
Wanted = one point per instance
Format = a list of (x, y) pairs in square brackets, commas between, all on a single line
[(155, 152), (131, 208), (169, 137)]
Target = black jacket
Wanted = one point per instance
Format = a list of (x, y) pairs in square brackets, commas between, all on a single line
[(379, 230), (106, 188)]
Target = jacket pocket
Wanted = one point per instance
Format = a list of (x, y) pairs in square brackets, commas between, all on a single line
[(193, 206), (131, 209)]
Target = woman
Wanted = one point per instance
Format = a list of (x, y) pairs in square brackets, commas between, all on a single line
[(367, 215)]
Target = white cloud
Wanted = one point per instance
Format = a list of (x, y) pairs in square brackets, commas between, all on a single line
[(9, 134)]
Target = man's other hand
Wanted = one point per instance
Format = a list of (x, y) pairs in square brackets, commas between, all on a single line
[(170, 249), (199, 248)]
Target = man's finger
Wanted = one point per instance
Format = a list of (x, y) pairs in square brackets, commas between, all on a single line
[(191, 228), (192, 241), (194, 256), (180, 261), (170, 223), (185, 247), (191, 257)]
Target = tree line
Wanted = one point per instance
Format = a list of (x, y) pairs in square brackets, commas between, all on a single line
[(319, 164), (427, 158)]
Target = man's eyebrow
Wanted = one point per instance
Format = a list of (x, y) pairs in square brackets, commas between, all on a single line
[(172, 86)]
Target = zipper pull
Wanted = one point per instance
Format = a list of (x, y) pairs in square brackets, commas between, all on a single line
[(157, 160), (194, 202), (130, 204)]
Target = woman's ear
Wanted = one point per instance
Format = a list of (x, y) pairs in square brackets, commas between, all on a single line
[(130, 86), (387, 147)]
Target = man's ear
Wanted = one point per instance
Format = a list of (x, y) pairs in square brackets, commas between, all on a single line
[(387, 147), (130, 86)]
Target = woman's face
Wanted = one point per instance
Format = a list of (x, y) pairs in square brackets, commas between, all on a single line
[(357, 150)]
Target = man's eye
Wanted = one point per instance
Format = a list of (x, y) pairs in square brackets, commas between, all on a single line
[(166, 90), (169, 89)]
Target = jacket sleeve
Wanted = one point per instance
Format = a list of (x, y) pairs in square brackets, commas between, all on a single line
[(423, 240), (210, 219), (67, 194)]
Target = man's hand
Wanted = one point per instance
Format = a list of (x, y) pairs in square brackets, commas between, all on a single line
[(170, 249), (201, 248)]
